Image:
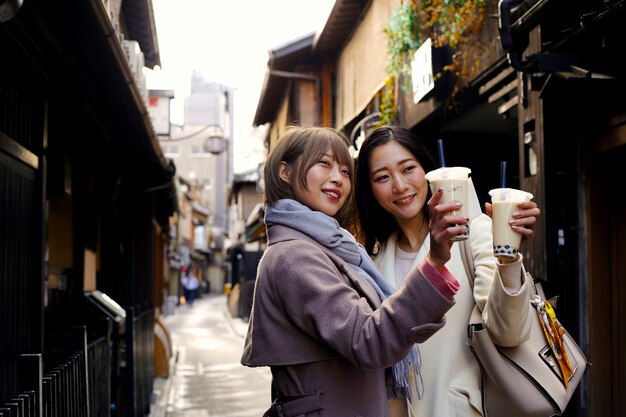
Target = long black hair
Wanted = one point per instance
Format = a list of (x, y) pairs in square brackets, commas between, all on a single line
[(375, 223)]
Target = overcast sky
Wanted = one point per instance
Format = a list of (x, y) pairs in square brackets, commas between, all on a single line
[(228, 41)]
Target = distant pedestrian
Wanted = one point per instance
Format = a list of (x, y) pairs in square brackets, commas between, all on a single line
[(190, 285)]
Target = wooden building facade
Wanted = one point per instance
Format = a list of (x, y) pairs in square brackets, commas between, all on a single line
[(85, 201), (547, 96)]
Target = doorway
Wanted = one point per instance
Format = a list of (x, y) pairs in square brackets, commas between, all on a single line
[(607, 270)]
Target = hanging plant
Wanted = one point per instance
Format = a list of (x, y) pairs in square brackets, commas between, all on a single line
[(453, 23), (403, 39), (388, 110)]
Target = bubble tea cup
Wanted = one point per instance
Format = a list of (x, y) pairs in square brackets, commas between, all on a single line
[(454, 181), (506, 241)]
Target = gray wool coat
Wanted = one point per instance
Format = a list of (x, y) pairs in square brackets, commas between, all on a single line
[(321, 327)]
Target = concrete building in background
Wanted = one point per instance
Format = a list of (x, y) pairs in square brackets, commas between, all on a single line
[(202, 147), (202, 150)]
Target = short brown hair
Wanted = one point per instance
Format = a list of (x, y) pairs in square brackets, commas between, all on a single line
[(301, 148)]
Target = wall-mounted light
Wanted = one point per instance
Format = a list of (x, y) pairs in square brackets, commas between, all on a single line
[(215, 142), (215, 145)]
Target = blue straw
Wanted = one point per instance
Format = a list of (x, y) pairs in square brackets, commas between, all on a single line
[(503, 174), (442, 157)]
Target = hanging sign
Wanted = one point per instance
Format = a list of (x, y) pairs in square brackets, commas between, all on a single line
[(422, 71)]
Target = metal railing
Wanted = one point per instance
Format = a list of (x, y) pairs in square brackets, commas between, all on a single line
[(77, 385), (99, 357), (65, 389), (139, 356)]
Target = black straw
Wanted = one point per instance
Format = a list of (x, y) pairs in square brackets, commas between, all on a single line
[(503, 174), (442, 157)]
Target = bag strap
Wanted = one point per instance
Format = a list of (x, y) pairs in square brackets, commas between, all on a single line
[(468, 261)]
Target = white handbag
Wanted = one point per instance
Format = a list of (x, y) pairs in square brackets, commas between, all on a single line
[(526, 380)]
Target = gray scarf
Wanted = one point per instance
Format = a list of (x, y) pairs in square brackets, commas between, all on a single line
[(326, 231)]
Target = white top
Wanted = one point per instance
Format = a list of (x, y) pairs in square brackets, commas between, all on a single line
[(450, 372)]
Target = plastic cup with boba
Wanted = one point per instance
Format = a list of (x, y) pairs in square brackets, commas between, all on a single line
[(506, 241), (454, 181)]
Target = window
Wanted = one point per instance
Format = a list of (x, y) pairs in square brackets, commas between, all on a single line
[(198, 151), (170, 151), (199, 238)]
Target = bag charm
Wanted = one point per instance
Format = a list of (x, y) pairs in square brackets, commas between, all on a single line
[(554, 335)]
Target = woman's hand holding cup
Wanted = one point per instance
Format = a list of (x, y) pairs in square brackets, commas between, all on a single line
[(524, 220), (444, 226)]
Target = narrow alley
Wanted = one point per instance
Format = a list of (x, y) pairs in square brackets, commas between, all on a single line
[(206, 377)]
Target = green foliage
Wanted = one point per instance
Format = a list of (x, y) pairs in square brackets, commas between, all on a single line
[(453, 23), (388, 103), (403, 39)]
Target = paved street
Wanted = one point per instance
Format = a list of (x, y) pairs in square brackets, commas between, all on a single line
[(207, 378)]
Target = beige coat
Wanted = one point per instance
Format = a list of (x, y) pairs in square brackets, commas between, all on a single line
[(450, 371), (320, 326)]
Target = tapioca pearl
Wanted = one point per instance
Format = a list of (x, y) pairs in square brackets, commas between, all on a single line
[(504, 250)]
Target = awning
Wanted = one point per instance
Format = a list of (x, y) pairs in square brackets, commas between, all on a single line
[(255, 224), (577, 17), (138, 17), (284, 58)]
